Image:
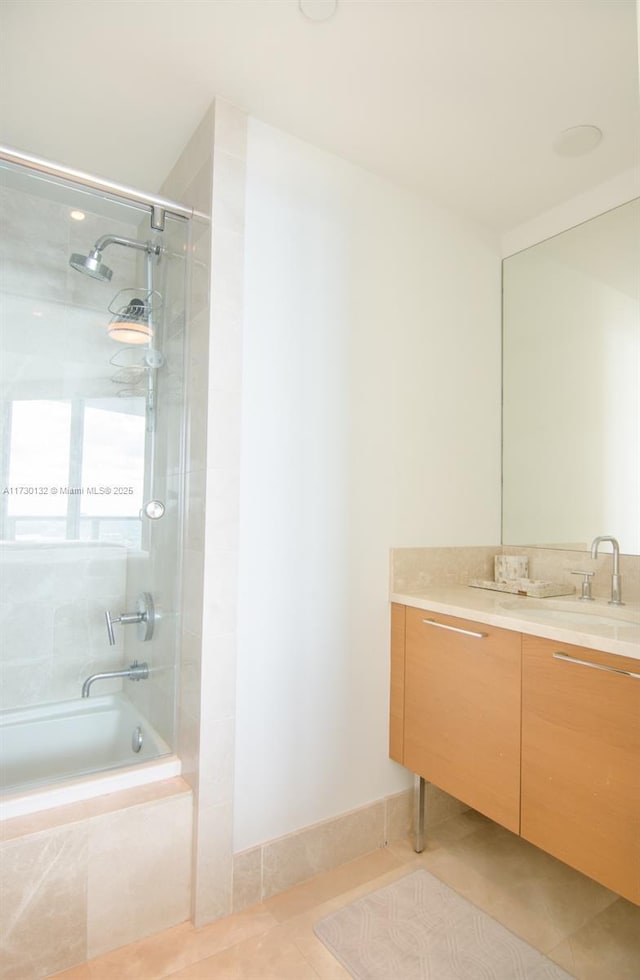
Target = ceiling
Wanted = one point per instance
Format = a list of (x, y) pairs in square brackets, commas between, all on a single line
[(460, 100)]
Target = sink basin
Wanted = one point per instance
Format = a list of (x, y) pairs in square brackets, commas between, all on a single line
[(591, 617)]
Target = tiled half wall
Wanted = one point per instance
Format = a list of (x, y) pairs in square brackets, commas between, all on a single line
[(82, 879)]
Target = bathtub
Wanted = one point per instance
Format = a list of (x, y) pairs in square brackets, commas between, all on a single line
[(75, 750)]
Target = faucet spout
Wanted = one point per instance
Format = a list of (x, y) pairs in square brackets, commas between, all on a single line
[(135, 672), (616, 577)]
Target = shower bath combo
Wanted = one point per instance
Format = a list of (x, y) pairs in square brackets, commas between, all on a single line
[(150, 569)]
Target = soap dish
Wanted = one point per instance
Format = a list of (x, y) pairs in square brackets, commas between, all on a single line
[(538, 588)]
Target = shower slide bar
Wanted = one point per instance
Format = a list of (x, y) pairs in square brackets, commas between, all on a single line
[(159, 205)]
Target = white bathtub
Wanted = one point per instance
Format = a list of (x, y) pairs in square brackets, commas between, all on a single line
[(74, 750)]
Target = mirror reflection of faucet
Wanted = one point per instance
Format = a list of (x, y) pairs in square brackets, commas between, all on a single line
[(616, 577), (144, 617)]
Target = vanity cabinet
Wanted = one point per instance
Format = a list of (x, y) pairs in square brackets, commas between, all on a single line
[(461, 718), (540, 736), (581, 760)]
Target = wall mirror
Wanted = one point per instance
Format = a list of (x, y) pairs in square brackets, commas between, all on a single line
[(571, 397)]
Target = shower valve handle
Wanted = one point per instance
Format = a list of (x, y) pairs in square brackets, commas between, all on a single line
[(145, 615)]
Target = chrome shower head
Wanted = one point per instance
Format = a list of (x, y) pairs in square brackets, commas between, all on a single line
[(91, 265)]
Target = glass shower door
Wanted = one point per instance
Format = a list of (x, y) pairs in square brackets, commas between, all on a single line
[(91, 420)]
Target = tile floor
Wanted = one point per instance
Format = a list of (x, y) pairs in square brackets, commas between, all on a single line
[(592, 933)]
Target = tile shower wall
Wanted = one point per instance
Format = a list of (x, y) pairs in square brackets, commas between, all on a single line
[(52, 619), (210, 176), (53, 595)]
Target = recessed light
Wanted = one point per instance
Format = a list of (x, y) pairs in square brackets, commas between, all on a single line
[(577, 141), (318, 10), (77, 215)]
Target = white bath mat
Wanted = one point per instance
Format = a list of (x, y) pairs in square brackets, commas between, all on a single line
[(420, 929)]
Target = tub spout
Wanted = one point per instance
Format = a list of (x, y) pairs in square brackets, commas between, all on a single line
[(135, 672)]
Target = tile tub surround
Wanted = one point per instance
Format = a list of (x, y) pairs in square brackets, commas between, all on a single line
[(71, 877)]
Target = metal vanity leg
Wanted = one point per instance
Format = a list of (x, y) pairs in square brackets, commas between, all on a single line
[(419, 790)]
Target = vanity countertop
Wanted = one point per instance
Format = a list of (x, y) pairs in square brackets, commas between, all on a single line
[(595, 625)]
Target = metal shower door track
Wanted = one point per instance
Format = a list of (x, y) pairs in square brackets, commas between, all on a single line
[(159, 205)]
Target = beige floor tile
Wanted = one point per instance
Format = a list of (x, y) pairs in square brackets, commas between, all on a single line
[(324, 887), (323, 962), (267, 957), (159, 956), (585, 928), (606, 948), (81, 972), (540, 899)]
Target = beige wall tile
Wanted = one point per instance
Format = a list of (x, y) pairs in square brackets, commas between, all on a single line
[(192, 572), (212, 882), (197, 150), (398, 816), (217, 761), (417, 568), (229, 192), (247, 878), (296, 857), (138, 872), (43, 896), (231, 128)]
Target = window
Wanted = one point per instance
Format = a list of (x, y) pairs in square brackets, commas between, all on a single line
[(73, 470)]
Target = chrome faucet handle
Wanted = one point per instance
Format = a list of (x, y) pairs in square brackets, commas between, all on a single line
[(586, 585), (110, 622), (145, 616)]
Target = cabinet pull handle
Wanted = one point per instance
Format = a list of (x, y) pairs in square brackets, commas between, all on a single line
[(588, 663), (454, 629)]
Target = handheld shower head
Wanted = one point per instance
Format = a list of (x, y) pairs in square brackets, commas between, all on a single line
[(91, 265)]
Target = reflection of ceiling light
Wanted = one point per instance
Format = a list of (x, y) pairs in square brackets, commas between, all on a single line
[(318, 9), (38, 313), (77, 215), (577, 141)]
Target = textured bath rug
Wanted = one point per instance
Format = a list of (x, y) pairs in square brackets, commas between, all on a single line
[(420, 929)]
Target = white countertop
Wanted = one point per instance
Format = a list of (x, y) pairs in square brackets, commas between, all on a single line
[(566, 619)]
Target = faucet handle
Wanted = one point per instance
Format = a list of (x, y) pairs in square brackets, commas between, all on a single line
[(586, 585), (109, 621)]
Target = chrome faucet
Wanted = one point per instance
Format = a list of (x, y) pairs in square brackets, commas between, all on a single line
[(135, 672), (616, 577), (144, 616)]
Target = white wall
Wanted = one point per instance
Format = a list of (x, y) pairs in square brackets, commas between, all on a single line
[(371, 420)]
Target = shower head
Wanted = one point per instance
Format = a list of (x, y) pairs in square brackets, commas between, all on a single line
[(91, 265)]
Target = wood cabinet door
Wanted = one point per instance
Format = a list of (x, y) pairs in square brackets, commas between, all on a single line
[(581, 760), (462, 711)]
